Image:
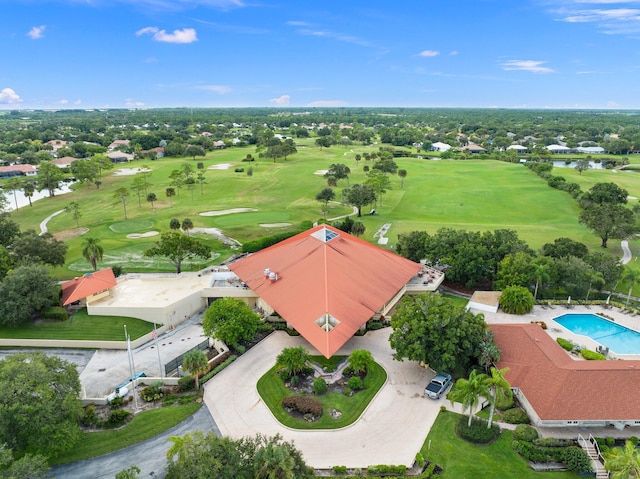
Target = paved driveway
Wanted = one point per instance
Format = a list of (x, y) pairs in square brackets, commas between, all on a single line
[(390, 431)]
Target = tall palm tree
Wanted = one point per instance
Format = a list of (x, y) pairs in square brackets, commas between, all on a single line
[(468, 391), (196, 362), (274, 462), (541, 274), (187, 225), (631, 276), (500, 388), (92, 251), (28, 188), (624, 462)]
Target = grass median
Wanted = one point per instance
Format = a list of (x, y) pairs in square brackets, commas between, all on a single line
[(272, 390)]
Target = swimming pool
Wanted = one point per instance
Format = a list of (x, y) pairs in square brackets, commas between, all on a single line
[(617, 338)]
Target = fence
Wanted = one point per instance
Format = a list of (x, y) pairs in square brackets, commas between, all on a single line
[(172, 366)]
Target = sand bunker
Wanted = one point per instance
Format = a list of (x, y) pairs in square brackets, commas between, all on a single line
[(220, 166), (274, 225), (227, 212), (130, 171), (320, 172), (70, 234), (143, 235)]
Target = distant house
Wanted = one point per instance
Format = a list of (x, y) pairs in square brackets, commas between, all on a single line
[(158, 152), (56, 144), (116, 143), (439, 146), (219, 144), (558, 149), (64, 162), (119, 157), (518, 148), (558, 391), (17, 170), (88, 287), (591, 150), (474, 149)]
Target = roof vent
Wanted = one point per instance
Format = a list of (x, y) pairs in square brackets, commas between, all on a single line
[(267, 271), (273, 277)]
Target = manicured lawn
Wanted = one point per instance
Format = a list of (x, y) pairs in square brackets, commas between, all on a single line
[(476, 195), (82, 326), (272, 390), (143, 426), (462, 460)]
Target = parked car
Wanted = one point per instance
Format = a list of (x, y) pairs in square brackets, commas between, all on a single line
[(438, 385)]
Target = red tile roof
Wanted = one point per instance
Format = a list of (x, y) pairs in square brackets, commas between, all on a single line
[(86, 285), (22, 168), (326, 273), (561, 388)]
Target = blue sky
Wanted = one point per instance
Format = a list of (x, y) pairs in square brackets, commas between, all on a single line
[(235, 53)]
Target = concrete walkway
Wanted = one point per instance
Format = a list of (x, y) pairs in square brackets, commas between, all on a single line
[(43, 225), (390, 431)]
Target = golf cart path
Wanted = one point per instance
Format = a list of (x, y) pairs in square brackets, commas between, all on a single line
[(43, 225)]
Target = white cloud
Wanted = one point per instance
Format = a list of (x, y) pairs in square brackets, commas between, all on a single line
[(610, 20), (36, 32), (77, 102), (327, 103), (186, 35), (150, 60), (133, 104), (295, 23), (532, 66), (64, 101), (341, 37), (220, 89), (8, 96), (453, 52), (429, 53), (281, 100)]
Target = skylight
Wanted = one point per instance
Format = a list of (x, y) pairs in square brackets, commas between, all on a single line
[(324, 235), (327, 322)]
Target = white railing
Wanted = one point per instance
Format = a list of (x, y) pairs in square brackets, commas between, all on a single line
[(598, 461)]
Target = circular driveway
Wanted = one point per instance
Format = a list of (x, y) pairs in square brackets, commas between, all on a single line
[(390, 431)]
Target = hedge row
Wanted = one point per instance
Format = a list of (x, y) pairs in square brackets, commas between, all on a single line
[(592, 355), (565, 344), (386, 470), (573, 457), (265, 242), (218, 368)]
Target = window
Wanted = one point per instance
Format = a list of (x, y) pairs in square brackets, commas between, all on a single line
[(327, 322)]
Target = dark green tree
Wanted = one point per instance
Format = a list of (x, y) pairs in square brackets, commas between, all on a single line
[(562, 247), (516, 300), (29, 248), (152, 198), (609, 221), (231, 321), (360, 361), (293, 361), (412, 245), (178, 248), (39, 405), (170, 192), (325, 196), (432, 329), (193, 151), (92, 251), (73, 209), (196, 363), (49, 178), (9, 229), (29, 466), (120, 196), (358, 196), (601, 193), (402, 174), (187, 225)]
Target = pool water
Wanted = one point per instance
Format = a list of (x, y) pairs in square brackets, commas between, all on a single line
[(617, 338)]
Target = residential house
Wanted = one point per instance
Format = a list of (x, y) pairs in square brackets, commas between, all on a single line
[(18, 170), (119, 157), (439, 146)]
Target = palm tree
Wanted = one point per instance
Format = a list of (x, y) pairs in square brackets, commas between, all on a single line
[(187, 225), (92, 251), (274, 462), (623, 462), (182, 444), (196, 362), (501, 389), (28, 188), (293, 360), (170, 192), (174, 224), (152, 198), (541, 274), (468, 391), (489, 352), (631, 276), (402, 174), (360, 361)]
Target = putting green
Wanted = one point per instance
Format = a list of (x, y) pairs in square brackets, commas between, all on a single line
[(131, 226)]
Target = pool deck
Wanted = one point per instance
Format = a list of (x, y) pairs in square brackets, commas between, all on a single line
[(555, 330)]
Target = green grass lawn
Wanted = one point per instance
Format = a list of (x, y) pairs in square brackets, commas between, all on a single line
[(463, 460), (272, 390), (82, 326), (477, 195), (143, 426)]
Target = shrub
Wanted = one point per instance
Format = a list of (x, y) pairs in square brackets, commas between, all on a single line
[(385, 470), (239, 170), (55, 313), (553, 442), (294, 381), (610, 441), (420, 459), (117, 270), (250, 171), (374, 325), (592, 355), (523, 432), (516, 300), (152, 393), (355, 383), (347, 391), (533, 452), (116, 403), (634, 440), (117, 418), (515, 415), (565, 344), (319, 386), (339, 470), (265, 242), (575, 459), (186, 383), (429, 471), (478, 433), (240, 349), (303, 405), (502, 404), (218, 368), (89, 417)]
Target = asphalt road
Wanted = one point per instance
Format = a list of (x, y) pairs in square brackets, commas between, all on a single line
[(149, 455)]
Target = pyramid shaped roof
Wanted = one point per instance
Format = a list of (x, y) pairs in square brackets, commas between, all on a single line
[(325, 283), (86, 285)]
